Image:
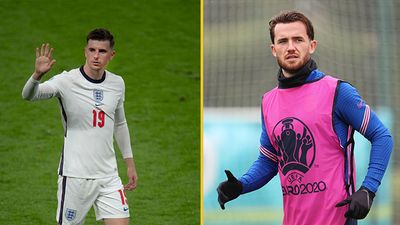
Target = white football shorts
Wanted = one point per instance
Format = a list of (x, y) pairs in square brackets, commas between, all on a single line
[(77, 195)]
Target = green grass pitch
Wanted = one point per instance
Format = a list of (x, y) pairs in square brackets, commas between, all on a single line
[(158, 55)]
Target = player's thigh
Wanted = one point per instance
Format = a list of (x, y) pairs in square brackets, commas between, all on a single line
[(111, 203), (75, 198), (118, 221)]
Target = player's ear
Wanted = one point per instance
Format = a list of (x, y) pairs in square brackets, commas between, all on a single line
[(273, 50), (85, 51), (112, 54), (313, 46)]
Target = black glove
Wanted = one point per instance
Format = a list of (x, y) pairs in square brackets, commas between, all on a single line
[(228, 190), (360, 203)]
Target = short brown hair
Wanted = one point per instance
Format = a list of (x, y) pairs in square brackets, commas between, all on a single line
[(290, 17), (101, 34)]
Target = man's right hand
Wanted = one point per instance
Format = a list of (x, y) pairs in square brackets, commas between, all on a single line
[(44, 62), (229, 189)]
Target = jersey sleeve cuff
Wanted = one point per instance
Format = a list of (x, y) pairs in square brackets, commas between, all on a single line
[(33, 80)]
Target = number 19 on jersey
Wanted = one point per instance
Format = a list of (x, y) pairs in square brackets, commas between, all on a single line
[(98, 118)]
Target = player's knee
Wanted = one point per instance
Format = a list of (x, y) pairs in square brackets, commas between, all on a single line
[(120, 221)]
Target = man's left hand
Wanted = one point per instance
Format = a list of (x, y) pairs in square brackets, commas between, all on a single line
[(132, 177), (359, 203)]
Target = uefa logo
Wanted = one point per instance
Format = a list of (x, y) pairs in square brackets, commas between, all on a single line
[(296, 147)]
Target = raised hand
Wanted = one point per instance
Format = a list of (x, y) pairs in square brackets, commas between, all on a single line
[(43, 62)]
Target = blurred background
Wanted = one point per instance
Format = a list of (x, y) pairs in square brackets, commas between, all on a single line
[(357, 42)]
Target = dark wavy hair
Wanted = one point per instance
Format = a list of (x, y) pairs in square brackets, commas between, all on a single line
[(290, 17)]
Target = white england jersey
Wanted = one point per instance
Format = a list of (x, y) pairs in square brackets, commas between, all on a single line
[(88, 109)]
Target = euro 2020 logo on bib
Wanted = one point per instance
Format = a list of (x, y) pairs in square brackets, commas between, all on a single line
[(296, 147)]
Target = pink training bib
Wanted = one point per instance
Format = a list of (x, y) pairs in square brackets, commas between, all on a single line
[(310, 159)]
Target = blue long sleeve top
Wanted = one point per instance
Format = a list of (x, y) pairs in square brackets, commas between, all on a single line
[(346, 113)]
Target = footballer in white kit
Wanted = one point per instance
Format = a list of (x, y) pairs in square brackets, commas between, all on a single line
[(91, 102)]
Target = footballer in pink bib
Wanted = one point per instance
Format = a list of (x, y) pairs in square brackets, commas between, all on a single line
[(310, 158)]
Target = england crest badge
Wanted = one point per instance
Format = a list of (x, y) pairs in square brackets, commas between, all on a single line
[(98, 97), (70, 214)]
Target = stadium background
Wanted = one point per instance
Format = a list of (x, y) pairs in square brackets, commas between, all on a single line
[(357, 42), (158, 55)]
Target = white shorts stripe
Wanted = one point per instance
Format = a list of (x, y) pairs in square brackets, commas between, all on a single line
[(62, 200)]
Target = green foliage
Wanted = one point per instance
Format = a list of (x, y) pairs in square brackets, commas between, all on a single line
[(157, 45)]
